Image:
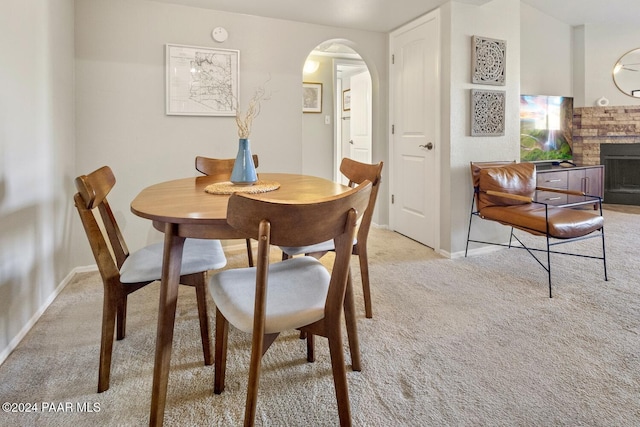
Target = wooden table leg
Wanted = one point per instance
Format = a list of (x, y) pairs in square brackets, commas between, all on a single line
[(172, 259)]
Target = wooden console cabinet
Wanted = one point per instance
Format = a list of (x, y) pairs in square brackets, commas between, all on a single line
[(588, 179)]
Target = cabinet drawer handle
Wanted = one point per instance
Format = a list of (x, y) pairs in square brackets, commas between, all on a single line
[(554, 180), (553, 198)]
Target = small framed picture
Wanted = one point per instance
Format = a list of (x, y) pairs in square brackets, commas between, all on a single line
[(311, 97), (346, 100)]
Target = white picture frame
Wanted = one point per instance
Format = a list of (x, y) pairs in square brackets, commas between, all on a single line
[(201, 81), (311, 97), (346, 100)]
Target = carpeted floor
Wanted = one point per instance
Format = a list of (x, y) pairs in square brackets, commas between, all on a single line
[(465, 342)]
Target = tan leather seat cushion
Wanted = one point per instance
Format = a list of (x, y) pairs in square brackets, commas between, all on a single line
[(564, 223)]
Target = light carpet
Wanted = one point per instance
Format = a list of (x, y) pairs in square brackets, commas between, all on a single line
[(464, 342)]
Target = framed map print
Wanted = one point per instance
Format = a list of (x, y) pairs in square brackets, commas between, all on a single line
[(201, 81)]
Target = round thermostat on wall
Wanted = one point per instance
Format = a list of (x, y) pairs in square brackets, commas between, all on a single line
[(219, 34)]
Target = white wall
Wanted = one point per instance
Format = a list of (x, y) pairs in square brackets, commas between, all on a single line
[(557, 59), (460, 22), (545, 54), (317, 137), (120, 78), (604, 45), (36, 159)]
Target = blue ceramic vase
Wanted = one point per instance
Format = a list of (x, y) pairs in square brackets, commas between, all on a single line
[(244, 170)]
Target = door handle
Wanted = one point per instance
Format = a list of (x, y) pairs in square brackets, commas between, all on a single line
[(429, 146)]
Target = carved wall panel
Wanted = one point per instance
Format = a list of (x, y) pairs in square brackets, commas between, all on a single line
[(487, 112), (488, 61)]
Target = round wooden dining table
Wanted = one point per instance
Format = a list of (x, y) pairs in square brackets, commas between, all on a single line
[(182, 208)]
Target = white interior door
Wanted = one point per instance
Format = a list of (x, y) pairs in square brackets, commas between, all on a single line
[(360, 123), (415, 116), (353, 113)]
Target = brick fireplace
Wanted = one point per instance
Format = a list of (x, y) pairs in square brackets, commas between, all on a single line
[(593, 126), (619, 129)]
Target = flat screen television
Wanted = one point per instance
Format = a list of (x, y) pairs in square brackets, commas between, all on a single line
[(546, 128)]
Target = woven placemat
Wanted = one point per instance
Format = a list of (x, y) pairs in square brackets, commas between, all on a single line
[(227, 187)]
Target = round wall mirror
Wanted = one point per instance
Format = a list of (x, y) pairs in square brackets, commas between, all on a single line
[(626, 73)]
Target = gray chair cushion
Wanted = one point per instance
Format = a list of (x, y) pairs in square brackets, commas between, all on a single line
[(296, 294), (318, 247), (198, 255)]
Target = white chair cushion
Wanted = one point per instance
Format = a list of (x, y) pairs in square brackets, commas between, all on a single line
[(296, 294), (318, 247), (198, 255)]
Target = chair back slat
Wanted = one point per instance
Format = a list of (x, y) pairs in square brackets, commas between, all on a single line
[(94, 187), (340, 270), (296, 223), (99, 247), (219, 168), (92, 194), (357, 173)]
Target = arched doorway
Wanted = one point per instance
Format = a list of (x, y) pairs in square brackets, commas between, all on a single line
[(344, 126)]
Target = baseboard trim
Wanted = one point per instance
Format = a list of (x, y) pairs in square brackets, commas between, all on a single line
[(477, 251), (36, 316)]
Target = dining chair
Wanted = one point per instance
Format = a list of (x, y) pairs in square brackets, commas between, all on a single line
[(124, 272), (356, 173), (221, 169), (299, 293)]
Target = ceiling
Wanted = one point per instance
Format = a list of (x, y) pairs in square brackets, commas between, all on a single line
[(386, 15)]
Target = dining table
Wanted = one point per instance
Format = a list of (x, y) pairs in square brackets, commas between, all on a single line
[(185, 208)]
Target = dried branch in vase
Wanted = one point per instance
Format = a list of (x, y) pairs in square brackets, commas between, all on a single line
[(244, 120)]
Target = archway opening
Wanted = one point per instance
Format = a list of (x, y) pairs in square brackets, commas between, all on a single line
[(342, 126)]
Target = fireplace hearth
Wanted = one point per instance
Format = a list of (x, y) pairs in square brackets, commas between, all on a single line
[(621, 173)]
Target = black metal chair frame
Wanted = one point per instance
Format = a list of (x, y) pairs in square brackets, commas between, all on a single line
[(549, 243)]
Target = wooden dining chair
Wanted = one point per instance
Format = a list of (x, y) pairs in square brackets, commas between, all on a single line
[(221, 169), (357, 173), (123, 272), (295, 294)]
